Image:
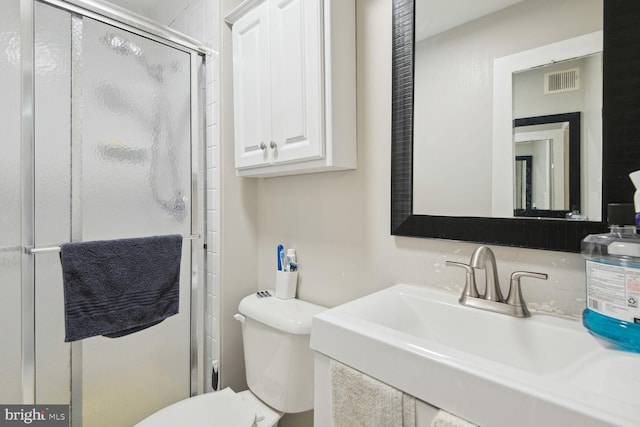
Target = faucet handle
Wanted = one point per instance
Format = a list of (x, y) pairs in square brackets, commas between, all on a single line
[(470, 289), (515, 292)]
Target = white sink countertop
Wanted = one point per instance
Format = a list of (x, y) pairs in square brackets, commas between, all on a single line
[(489, 368)]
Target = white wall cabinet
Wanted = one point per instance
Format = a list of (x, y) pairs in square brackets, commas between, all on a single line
[(294, 89)]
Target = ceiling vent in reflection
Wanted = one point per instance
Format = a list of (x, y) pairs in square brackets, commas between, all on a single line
[(562, 81)]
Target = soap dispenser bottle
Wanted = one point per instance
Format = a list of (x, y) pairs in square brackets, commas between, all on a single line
[(612, 264)]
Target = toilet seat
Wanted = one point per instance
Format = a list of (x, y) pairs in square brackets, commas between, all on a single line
[(217, 409)]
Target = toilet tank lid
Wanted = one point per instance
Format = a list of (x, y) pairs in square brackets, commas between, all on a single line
[(289, 315)]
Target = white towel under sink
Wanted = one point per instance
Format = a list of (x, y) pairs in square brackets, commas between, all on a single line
[(359, 400), (445, 419)]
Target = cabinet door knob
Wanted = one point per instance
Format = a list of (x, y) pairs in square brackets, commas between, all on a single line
[(273, 145), (263, 146)]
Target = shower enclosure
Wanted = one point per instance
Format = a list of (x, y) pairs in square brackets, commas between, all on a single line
[(102, 119)]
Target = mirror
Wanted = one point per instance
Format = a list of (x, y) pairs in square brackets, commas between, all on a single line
[(618, 150), (492, 61), (546, 182)]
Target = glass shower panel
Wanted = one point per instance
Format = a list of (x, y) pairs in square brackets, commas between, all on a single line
[(112, 160), (132, 111), (10, 214), (136, 134), (52, 197)]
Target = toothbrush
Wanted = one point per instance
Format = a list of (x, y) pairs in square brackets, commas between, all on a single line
[(281, 261), (280, 257)]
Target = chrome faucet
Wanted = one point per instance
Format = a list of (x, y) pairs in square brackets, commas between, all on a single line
[(482, 256), (492, 300)]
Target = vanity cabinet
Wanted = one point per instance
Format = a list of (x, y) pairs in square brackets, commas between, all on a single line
[(294, 89)]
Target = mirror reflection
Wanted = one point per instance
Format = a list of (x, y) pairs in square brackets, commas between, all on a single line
[(546, 182), (475, 74)]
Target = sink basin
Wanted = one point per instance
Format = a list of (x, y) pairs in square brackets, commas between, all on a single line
[(489, 368), (543, 344)]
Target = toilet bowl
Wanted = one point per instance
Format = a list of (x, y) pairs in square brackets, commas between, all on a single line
[(216, 409), (279, 365)]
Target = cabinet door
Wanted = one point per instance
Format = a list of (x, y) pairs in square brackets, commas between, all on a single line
[(297, 80), (252, 88)]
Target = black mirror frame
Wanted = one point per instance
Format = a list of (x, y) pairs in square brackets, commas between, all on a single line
[(621, 143)]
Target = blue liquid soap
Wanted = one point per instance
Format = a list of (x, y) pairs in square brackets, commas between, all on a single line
[(613, 287)]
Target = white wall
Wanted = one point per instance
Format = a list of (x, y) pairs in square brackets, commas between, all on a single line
[(239, 220)]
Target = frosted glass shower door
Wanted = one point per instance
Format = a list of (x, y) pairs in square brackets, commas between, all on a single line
[(135, 180), (112, 160), (10, 237)]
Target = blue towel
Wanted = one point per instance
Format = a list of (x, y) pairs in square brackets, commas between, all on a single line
[(117, 287)]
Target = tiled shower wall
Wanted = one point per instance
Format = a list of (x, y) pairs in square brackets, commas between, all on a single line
[(199, 19)]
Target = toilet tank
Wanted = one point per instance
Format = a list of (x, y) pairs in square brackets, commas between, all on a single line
[(278, 359)]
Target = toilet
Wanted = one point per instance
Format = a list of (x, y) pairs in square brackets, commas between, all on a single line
[(279, 366)]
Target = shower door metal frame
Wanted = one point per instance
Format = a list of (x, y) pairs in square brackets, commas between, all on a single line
[(199, 55), (27, 192)]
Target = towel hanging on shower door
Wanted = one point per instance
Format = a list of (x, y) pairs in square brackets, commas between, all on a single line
[(118, 287)]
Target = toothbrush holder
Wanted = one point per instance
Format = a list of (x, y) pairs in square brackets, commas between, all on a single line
[(286, 284)]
